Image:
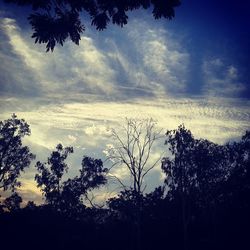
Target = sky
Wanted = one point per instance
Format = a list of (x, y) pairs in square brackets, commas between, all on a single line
[(193, 69)]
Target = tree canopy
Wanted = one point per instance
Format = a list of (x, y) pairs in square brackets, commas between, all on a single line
[(14, 157), (66, 195), (53, 21)]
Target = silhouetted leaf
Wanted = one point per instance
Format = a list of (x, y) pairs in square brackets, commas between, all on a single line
[(56, 20)]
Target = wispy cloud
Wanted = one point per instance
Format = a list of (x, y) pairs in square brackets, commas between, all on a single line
[(151, 63), (214, 119), (221, 79), (84, 69), (164, 61), (16, 77)]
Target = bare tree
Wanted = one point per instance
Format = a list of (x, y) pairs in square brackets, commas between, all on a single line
[(132, 147)]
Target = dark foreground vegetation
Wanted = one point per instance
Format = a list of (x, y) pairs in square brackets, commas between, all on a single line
[(204, 203)]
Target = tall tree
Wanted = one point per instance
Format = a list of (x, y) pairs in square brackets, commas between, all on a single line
[(132, 148), (53, 21), (178, 171), (14, 157), (195, 173)]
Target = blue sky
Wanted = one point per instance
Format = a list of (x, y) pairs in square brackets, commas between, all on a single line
[(193, 69)]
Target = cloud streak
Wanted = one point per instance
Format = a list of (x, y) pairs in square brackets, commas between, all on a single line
[(151, 64)]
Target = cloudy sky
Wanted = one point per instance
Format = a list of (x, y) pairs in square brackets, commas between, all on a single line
[(192, 70)]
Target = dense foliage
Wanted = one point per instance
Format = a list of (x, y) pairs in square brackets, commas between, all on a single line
[(14, 157)]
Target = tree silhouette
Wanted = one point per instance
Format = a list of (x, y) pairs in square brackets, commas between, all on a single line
[(126, 204), (179, 172), (50, 174), (132, 148), (238, 184), (13, 202), (195, 172), (92, 175), (30, 205), (14, 157), (66, 196), (53, 21)]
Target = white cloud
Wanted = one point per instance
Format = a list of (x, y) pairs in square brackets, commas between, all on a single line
[(165, 63), (98, 130), (121, 172), (147, 63), (31, 58), (67, 70), (214, 119), (91, 67), (158, 64)]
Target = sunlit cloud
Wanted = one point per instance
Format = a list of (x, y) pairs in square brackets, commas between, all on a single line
[(217, 120), (30, 192)]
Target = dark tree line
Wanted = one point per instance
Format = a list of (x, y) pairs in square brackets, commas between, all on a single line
[(204, 203)]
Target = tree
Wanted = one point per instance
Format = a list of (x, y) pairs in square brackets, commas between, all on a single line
[(211, 167), (237, 187), (126, 204), (13, 202), (50, 178), (178, 171), (92, 175), (195, 172), (14, 157), (66, 196), (133, 145), (132, 148), (31, 205), (53, 21)]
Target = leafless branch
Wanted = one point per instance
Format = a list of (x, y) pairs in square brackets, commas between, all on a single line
[(134, 145)]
